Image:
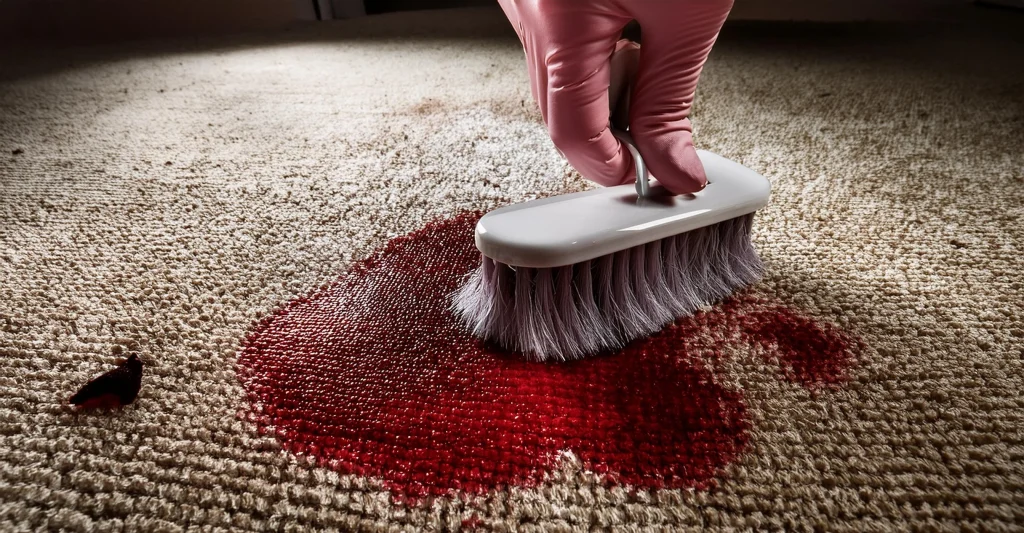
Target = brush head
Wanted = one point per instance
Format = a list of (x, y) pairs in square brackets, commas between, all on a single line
[(573, 228), (578, 274), (578, 310)]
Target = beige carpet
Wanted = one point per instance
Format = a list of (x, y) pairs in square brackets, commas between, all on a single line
[(165, 198)]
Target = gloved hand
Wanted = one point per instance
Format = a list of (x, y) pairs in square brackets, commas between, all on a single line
[(569, 46)]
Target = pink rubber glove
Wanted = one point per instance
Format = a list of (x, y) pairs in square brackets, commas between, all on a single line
[(569, 45)]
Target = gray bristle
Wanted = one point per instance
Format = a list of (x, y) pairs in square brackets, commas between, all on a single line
[(628, 314), (592, 322), (600, 305), (573, 331)]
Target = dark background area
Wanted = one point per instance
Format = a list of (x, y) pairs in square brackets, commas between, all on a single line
[(385, 6), (57, 22), (376, 7)]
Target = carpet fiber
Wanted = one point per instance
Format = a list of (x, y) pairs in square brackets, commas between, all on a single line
[(272, 223)]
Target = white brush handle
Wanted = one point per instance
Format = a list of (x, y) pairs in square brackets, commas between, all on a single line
[(571, 228)]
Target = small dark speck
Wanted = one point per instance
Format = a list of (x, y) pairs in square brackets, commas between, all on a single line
[(160, 91), (17, 151), (958, 243), (823, 95), (167, 163)]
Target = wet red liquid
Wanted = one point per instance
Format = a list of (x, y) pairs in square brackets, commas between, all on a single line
[(812, 354), (374, 376)]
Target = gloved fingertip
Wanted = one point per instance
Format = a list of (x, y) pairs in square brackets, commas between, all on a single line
[(686, 182), (682, 172)]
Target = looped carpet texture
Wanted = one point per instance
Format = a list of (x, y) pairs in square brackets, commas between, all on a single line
[(274, 221)]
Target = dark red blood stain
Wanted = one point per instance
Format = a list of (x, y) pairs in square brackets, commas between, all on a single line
[(811, 354), (374, 376), (115, 388), (106, 401)]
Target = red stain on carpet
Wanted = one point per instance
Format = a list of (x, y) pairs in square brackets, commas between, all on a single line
[(811, 354), (373, 376)]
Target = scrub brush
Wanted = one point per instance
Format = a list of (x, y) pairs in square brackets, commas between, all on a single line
[(578, 274)]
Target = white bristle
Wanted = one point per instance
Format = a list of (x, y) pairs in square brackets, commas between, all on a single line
[(601, 305)]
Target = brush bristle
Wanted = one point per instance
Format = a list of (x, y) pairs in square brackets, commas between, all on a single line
[(578, 310)]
